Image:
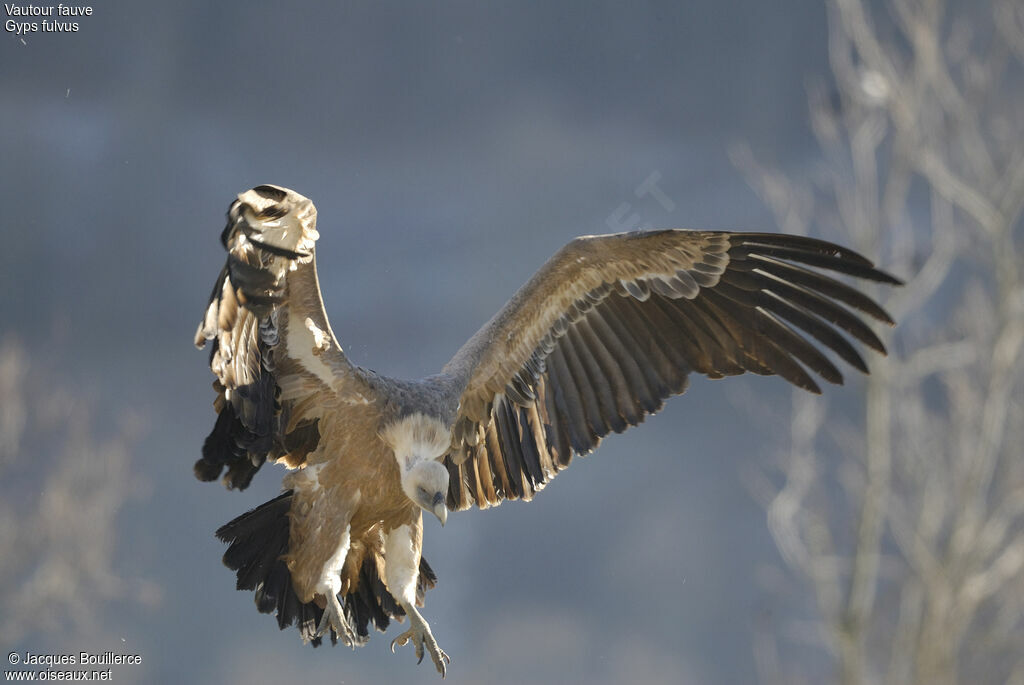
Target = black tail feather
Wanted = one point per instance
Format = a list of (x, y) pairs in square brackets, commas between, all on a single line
[(258, 539), (240, 446)]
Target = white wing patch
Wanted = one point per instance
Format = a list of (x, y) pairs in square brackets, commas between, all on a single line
[(305, 345), (320, 341)]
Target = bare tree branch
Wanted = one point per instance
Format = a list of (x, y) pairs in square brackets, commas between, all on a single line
[(58, 518), (910, 532)]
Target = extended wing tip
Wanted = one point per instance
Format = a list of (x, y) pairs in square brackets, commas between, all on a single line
[(887, 278)]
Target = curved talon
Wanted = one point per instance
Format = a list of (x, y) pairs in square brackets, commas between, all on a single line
[(401, 641), (421, 637)]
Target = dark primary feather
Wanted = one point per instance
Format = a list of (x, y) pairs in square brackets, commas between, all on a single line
[(743, 302)]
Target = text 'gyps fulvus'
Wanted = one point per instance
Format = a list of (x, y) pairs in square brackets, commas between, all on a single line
[(598, 338)]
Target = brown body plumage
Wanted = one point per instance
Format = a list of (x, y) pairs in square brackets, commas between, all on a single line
[(598, 338)]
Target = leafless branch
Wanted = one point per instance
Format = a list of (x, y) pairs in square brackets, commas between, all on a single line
[(59, 504), (931, 516)]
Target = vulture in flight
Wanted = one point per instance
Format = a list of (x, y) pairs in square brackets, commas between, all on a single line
[(599, 337)]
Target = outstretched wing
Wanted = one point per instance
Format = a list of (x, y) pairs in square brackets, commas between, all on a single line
[(276, 360), (612, 325)]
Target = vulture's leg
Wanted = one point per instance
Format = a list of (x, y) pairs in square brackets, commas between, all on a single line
[(334, 617), (328, 586), (402, 554), (420, 635)]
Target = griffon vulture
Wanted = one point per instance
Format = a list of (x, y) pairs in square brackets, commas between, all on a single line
[(610, 327)]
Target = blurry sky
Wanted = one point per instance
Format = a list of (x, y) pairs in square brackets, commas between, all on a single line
[(450, 148)]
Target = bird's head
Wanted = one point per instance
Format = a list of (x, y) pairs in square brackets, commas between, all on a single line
[(426, 484)]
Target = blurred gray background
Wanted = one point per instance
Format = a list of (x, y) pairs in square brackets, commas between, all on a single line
[(450, 149)]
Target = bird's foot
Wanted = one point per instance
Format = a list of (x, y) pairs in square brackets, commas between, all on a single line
[(421, 637), (334, 617)]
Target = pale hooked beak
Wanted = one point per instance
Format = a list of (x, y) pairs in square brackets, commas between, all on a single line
[(439, 509)]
